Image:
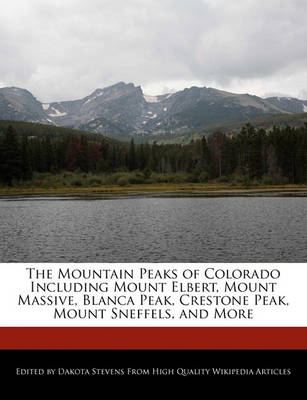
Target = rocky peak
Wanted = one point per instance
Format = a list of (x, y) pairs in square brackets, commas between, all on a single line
[(122, 109)]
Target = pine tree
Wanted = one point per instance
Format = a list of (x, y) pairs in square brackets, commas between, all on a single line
[(205, 155), (71, 155), (10, 167), (82, 154), (26, 162), (215, 143), (48, 154), (141, 160), (301, 156), (255, 165), (132, 156), (38, 155)]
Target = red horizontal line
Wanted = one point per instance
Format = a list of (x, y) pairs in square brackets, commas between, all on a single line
[(153, 338)]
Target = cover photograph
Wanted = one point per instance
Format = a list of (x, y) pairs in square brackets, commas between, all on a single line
[(153, 183)]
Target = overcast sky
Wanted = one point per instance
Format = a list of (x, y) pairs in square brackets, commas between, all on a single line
[(64, 49)]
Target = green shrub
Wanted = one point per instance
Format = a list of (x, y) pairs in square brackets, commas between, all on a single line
[(123, 181), (76, 182), (283, 180), (159, 178), (194, 177), (67, 174), (242, 180), (112, 179), (246, 181), (224, 179), (176, 178), (268, 180), (95, 181), (147, 173), (135, 178), (203, 177)]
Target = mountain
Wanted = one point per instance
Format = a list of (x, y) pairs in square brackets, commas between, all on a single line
[(266, 121), (31, 129), (288, 104), (123, 110), (20, 105)]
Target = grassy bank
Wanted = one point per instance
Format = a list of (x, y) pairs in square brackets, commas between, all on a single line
[(126, 183), (171, 189)]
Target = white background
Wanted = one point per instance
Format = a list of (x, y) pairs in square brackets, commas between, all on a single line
[(14, 281)]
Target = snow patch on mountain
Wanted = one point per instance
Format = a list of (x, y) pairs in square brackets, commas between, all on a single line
[(94, 97), (151, 99), (45, 106), (57, 113), (89, 100), (305, 108)]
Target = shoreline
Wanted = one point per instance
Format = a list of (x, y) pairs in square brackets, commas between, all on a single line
[(168, 190)]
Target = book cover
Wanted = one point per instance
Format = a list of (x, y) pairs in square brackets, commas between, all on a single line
[(153, 191)]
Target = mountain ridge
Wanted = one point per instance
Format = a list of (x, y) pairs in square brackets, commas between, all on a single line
[(123, 111)]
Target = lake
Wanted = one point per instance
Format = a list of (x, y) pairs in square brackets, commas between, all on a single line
[(153, 229)]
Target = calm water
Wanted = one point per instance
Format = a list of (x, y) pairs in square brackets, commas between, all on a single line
[(154, 230)]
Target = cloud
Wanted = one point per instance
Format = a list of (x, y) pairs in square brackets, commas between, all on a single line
[(63, 49)]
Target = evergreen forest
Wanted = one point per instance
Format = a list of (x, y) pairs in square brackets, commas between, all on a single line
[(30, 152)]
